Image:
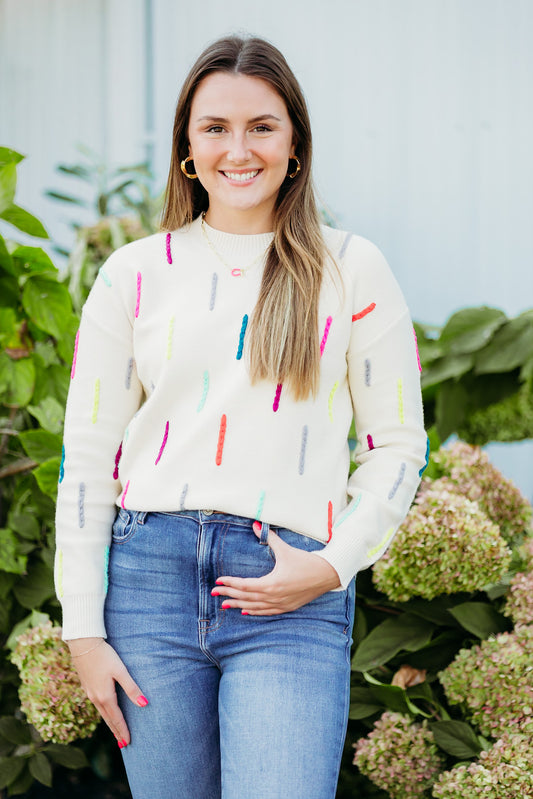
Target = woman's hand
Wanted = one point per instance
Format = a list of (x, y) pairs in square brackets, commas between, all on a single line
[(297, 578), (99, 667)]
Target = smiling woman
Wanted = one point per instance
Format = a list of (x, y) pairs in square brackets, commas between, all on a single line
[(207, 524)]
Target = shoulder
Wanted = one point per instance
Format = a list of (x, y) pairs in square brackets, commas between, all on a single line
[(364, 269)]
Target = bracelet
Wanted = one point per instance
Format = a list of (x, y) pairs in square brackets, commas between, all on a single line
[(80, 654)]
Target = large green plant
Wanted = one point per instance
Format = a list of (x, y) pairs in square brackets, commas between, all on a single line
[(37, 329), (477, 375)]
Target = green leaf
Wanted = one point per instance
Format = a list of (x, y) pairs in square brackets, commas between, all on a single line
[(8, 184), (47, 475), (22, 784), (362, 704), (511, 346), (17, 380), (392, 697), (36, 587), (438, 653), (68, 756), (23, 220), (405, 632), (65, 198), (48, 304), (450, 408), (34, 259), (480, 619), (10, 768), (447, 367), (433, 610), (15, 731), (471, 329), (41, 769), (10, 558), (49, 413), (40, 445), (6, 262), (456, 738), (9, 156)]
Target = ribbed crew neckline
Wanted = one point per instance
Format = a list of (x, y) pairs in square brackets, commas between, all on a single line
[(237, 249)]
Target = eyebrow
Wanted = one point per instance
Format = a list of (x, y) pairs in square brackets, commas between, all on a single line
[(260, 118)]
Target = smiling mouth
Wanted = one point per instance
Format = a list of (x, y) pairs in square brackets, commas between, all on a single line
[(241, 177)]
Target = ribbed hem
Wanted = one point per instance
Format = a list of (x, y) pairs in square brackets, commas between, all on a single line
[(83, 617)]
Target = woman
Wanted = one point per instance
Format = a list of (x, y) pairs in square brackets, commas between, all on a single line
[(216, 373)]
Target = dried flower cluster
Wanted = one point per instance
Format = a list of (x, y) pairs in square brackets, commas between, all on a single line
[(50, 693), (494, 681), (505, 772), (470, 470), (519, 604), (399, 756), (446, 544)]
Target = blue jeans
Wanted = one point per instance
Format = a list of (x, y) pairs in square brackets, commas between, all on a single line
[(239, 706)]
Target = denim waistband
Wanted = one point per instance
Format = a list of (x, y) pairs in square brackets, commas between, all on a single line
[(207, 516)]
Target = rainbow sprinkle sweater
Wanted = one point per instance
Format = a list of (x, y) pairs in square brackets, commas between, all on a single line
[(161, 414)]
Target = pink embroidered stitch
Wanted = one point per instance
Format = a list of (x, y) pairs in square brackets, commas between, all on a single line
[(139, 285), (221, 437), (124, 494), (276, 398), (369, 441), (165, 437), (364, 312), (117, 461), (75, 356), (329, 320), (417, 353), (169, 253), (330, 520)]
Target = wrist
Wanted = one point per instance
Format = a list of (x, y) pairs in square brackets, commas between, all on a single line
[(78, 646)]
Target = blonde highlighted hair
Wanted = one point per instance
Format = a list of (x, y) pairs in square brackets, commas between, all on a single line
[(282, 341)]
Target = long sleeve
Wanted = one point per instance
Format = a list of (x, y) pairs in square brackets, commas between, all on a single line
[(104, 395), (384, 383)]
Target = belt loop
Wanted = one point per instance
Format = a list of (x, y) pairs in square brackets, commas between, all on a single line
[(265, 529)]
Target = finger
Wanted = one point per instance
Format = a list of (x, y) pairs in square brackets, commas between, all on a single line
[(113, 717), (245, 584), (131, 689)]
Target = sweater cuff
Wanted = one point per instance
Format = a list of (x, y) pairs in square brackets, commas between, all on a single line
[(83, 617), (344, 576)]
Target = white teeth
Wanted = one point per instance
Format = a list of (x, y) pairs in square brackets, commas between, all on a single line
[(241, 176)]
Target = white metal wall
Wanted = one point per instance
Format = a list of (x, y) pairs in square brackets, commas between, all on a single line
[(422, 114)]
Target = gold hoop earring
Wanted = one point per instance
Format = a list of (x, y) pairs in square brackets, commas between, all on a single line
[(298, 166), (183, 167)]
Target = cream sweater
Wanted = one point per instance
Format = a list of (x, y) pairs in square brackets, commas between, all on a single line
[(161, 414)]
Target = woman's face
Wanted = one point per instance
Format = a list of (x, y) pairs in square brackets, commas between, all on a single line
[(241, 137)]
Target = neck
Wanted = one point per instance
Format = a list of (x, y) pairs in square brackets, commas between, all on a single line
[(244, 223)]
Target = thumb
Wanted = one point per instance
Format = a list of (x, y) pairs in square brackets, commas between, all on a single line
[(274, 541), (131, 689)]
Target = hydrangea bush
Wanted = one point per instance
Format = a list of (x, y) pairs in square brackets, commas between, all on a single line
[(471, 471), (505, 772), (50, 693), (494, 682), (519, 604), (399, 756), (446, 544)]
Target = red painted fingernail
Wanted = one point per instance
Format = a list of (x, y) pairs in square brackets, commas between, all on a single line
[(220, 581), (214, 592), (142, 701), (245, 613), (257, 527), (121, 744), (225, 605)]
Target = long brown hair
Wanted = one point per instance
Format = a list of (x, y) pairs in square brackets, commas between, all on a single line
[(283, 340)]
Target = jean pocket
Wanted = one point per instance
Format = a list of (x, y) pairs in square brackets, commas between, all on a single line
[(124, 526)]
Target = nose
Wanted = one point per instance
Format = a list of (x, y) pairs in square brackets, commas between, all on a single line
[(239, 151)]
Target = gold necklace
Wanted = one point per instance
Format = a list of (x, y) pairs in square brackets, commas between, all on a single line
[(235, 271)]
